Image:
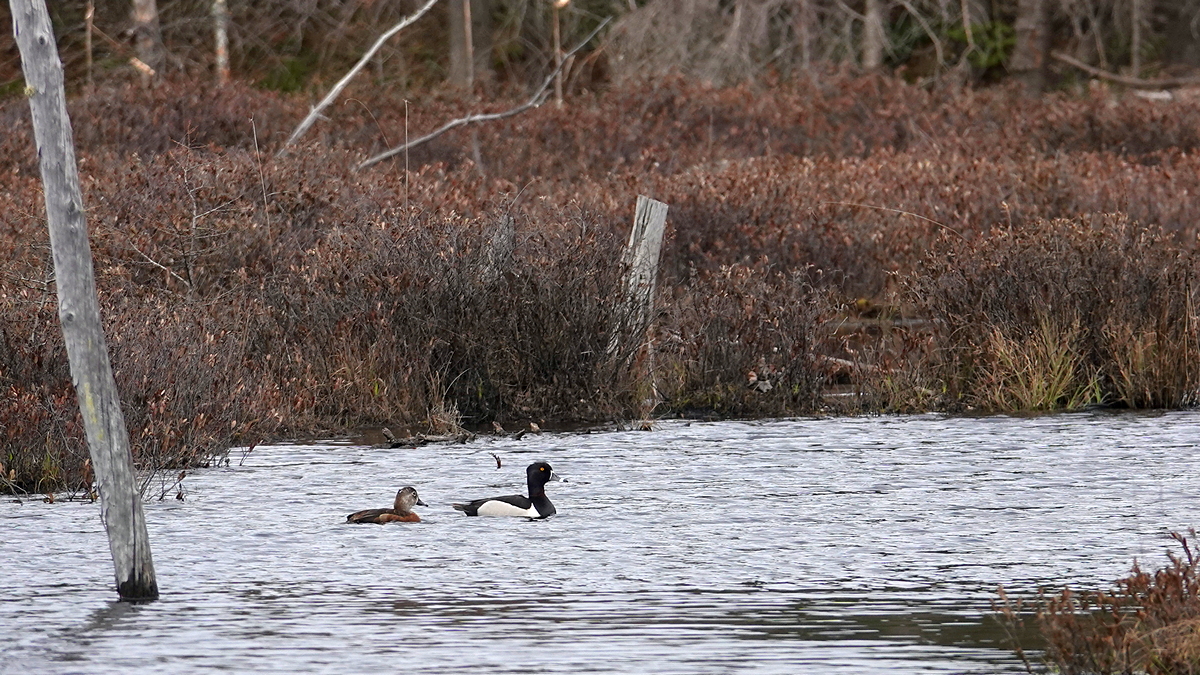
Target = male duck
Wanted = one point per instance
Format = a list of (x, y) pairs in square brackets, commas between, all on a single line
[(536, 505), (401, 511)]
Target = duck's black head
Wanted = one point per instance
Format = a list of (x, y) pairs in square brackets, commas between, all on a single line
[(538, 474)]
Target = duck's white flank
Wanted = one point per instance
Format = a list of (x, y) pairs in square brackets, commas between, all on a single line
[(496, 507)]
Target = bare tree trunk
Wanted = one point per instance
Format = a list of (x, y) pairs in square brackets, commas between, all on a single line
[(873, 36), (470, 42), (733, 59), (483, 39), (148, 38), (220, 14), (1028, 62), (974, 14), (804, 25), (968, 25), (468, 45), (78, 306), (1135, 40), (89, 16), (460, 61), (558, 57), (641, 257)]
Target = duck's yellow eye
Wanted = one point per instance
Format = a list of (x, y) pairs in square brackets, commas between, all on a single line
[(541, 468)]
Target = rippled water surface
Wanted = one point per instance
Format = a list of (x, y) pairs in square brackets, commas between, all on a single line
[(834, 546)]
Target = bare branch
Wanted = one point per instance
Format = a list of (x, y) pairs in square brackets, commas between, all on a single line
[(1134, 82), (160, 266), (337, 88), (538, 97), (133, 60), (937, 44)]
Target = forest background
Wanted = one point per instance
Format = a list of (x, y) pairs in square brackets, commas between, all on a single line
[(875, 206)]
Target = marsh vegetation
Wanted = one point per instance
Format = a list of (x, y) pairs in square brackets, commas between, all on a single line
[(906, 249)]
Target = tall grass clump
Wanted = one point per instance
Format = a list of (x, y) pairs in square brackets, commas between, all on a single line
[(1148, 623), (1060, 314), (1041, 370)]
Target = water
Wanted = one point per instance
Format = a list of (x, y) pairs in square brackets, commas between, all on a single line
[(834, 546)]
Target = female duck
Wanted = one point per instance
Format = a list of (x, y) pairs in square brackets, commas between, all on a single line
[(401, 511), (536, 505)]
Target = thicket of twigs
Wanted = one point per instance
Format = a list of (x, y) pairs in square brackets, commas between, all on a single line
[(1149, 622), (294, 45), (919, 249)]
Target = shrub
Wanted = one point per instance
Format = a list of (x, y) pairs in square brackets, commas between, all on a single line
[(741, 341), (1148, 623), (248, 297), (1063, 313)]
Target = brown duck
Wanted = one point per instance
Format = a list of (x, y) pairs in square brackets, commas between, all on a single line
[(401, 511)]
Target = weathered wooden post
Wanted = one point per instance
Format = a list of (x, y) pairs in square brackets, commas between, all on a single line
[(645, 244), (641, 257), (78, 306)]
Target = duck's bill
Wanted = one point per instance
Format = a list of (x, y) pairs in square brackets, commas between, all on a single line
[(555, 476), (421, 503)]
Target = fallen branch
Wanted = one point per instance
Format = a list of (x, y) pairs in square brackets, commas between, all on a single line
[(1134, 82), (337, 88), (537, 99)]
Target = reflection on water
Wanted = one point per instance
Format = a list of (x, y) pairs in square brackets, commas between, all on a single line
[(847, 545)]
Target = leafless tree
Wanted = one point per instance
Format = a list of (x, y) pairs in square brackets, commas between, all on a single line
[(1028, 62), (873, 36), (470, 42), (148, 38), (220, 13)]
